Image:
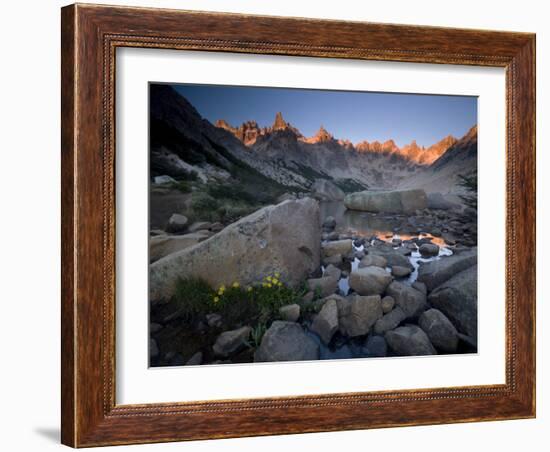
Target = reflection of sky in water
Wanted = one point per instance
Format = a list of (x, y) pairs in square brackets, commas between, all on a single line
[(365, 225)]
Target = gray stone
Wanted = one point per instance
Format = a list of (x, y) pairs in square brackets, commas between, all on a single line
[(214, 320), (325, 324), (387, 304), (356, 315), (376, 347), (393, 257), (322, 287), (440, 330), (177, 223), (373, 260), (155, 328), (409, 340), (400, 272), (428, 249), (230, 342), (457, 299), (420, 286), (410, 300), (341, 247), (195, 360), (405, 201), (286, 341), (335, 259), (369, 280), (285, 237), (329, 223), (438, 201), (216, 227), (435, 273), (290, 312), (389, 321)]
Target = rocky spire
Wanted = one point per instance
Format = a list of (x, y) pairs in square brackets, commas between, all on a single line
[(280, 123)]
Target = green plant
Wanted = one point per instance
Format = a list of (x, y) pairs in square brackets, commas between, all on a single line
[(469, 183), (257, 334), (182, 185), (192, 298), (204, 206)]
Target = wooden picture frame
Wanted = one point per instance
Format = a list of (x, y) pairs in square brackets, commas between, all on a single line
[(90, 36)]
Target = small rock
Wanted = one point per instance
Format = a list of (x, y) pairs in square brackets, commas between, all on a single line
[(195, 360), (387, 304), (376, 347), (308, 297), (400, 272), (329, 224), (325, 324), (409, 341), (290, 312), (440, 330), (369, 280), (216, 227), (177, 223), (429, 249), (411, 301), (286, 341), (436, 232), (214, 320), (357, 315), (342, 247), (335, 259), (372, 260), (230, 342), (322, 287), (389, 321)]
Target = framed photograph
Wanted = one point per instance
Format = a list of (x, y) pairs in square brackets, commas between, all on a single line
[(281, 225)]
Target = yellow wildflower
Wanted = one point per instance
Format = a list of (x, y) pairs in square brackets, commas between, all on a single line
[(249, 289), (277, 275), (274, 280), (236, 285), (264, 284), (269, 285), (216, 299), (268, 278), (280, 284)]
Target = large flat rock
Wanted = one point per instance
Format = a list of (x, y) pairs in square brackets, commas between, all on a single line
[(402, 201), (285, 238), (435, 273)]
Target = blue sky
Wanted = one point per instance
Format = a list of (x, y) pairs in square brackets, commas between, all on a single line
[(349, 115)]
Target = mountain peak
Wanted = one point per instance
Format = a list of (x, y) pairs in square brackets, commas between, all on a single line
[(280, 123)]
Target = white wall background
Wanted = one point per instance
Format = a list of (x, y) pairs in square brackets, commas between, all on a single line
[(30, 194)]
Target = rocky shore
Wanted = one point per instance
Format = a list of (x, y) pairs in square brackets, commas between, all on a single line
[(407, 291)]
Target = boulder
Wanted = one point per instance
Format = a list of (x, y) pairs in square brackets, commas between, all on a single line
[(177, 223), (326, 190), (376, 347), (435, 273), (404, 201), (286, 341), (369, 280), (325, 285), (163, 245), (440, 330), (230, 342), (335, 259), (356, 315), (389, 321), (284, 237), (400, 272), (325, 324), (214, 320), (409, 340), (420, 286), (373, 260), (457, 299), (387, 304), (342, 247), (411, 301), (393, 257), (428, 249), (290, 312)]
